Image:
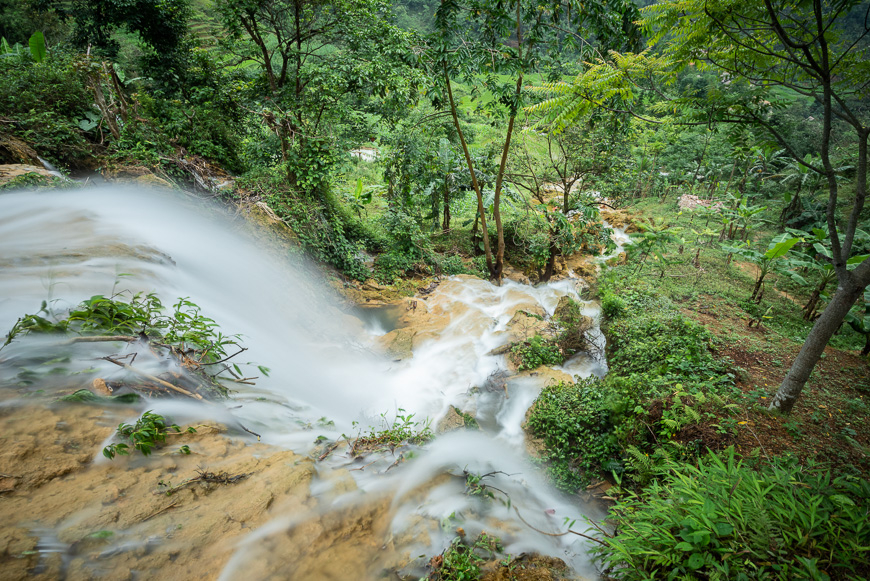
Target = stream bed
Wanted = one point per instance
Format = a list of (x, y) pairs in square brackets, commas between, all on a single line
[(380, 516)]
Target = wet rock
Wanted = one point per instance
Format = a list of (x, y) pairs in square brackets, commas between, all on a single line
[(11, 171), (511, 273), (152, 181), (399, 344), (583, 265), (450, 422), (523, 326), (14, 150), (620, 219), (525, 567)]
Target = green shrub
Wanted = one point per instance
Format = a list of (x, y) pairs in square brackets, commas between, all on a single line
[(658, 340), (612, 306), (147, 433), (724, 520), (462, 561), (574, 422), (44, 103), (320, 230), (392, 265), (535, 352)]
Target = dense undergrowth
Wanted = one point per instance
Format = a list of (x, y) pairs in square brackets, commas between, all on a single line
[(673, 424)]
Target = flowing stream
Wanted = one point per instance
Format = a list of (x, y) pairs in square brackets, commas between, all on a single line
[(327, 378)]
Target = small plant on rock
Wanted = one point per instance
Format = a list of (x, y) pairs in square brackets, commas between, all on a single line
[(536, 352), (147, 433)]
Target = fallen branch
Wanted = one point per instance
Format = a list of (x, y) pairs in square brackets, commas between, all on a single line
[(156, 380), (569, 531), (328, 451), (250, 432), (361, 468), (99, 339)]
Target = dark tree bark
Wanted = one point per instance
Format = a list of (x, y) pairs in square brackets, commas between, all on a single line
[(825, 327)]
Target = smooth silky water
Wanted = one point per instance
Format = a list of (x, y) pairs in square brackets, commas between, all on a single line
[(63, 247)]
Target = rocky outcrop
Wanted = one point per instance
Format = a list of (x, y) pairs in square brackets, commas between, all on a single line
[(16, 151), (10, 172)]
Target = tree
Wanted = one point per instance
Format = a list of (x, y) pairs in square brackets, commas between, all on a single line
[(806, 48), (488, 41), (315, 59), (573, 158), (766, 54)]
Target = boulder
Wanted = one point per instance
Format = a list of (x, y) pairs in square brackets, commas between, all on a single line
[(10, 172), (451, 421), (523, 326), (13, 150), (399, 344)]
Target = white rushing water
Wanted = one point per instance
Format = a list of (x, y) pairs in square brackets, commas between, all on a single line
[(64, 247)]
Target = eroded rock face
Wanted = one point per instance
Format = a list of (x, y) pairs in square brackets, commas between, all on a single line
[(14, 150), (11, 171), (108, 518)]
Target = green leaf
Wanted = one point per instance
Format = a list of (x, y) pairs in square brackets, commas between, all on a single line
[(37, 46), (781, 249), (684, 546), (723, 529), (696, 561)]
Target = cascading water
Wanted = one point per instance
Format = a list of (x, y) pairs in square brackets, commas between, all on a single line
[(63, 247)]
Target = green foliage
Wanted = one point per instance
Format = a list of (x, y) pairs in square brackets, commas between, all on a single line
[(611, 305), (37, 46), (535, 352), (148, 433), (402, 429), (574, 422), (654, 339), (462, 561), (318, 223), (184, 331), (783, 520), (87, 396), (44, 103)]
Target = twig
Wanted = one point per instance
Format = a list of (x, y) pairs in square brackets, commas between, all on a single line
[(328, 451), (250, 432), (363, 467), (396, 463), (162, 510), (756, 439), (241, 350), (234, 380), (157, 380)]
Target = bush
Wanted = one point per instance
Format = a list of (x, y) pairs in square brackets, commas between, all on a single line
[(612, 306), (574, 421), (393, 265), (45, 103), (535, 352), (724, 520)]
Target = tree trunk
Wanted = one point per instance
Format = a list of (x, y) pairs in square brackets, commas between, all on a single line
[(446, 223), (470, 164), (824, 328), (757, 287), (791, 210), (496, 210), (551, 262)]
